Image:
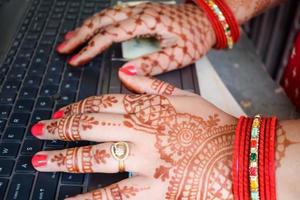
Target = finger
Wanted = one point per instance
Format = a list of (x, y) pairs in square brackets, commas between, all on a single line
[(118, 32), (142, 84), (112, 103), (87, 159), (167, 59), (91, 26), (132, 188), (98, 127)]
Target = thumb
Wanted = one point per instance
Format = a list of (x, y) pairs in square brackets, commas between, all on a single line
[(142, 84)]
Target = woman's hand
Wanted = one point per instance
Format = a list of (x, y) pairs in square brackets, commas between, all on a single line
[(180, 145), (184, 32)]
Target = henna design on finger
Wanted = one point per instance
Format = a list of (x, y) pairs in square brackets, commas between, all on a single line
[(76, 160), (196, 151), (162, 88), (100, 156), (97, 195), (60, 159), (93, 104), (68, 127), (119, 193)]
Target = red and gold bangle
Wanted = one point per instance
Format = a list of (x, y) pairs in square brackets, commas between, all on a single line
[(223, 21), (254, 158)]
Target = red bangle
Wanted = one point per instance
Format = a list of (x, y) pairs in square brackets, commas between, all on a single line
[(235, 29), (261, 162), (267, 161), (223, 22), (246, 160), (217, 26), (272, 158), (236, 150), (265, 145)]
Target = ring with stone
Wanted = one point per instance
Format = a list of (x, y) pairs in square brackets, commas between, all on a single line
[(120, 151)]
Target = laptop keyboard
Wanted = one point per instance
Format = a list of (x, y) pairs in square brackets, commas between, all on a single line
[(35, 81)]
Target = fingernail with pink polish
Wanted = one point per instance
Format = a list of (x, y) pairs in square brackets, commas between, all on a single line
[(69, 35), (72, 59), (37, 129), (61, 46), (58, 114), (129, 70), (39, 160)]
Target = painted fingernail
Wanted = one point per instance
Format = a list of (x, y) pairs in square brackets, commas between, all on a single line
[(58, 114), (61, 46), (39, 160), (37, 129), (69, 35), (129, 70), (72, 59)]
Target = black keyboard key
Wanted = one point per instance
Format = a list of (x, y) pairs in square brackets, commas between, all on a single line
[(55, 144), (16, 73), (73, 73), (53, 23), (68, 191), (30, 147), (52, 79), (6, 167), (20, 187), (19, 119), (3, 186), (11, 86), (21, 62), (50, 32), (67, 98), (45, 188), (9, 149), (28, 93), (40, 115), (89, 83), (24, 105), (55, 68), (24, 164), (4, 111), (7, 98), (32, 81), (14, 133), (48, 90), (74, 179), (69, 85), (2, 125), (36, 71), (45, 103)]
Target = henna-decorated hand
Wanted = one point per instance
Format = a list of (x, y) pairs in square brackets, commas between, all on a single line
[(180, 145), (183, 30)]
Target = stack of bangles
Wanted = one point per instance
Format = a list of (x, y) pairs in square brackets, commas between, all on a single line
[(253, 168), (223, 22)]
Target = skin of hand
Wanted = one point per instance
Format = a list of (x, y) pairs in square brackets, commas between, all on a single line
[(247, 9), (184, 32), (181, 146)]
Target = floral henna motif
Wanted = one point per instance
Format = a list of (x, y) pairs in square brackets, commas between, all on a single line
[(118, 193), (195, 150), (68, 128), (162, 87), (93, 104), (100, 156), (76, 160), (59, 159)]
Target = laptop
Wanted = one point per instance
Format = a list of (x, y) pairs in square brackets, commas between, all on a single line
[(35, 81)]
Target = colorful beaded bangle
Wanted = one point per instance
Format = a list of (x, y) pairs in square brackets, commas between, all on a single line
[(223, 21), (253, 164)]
